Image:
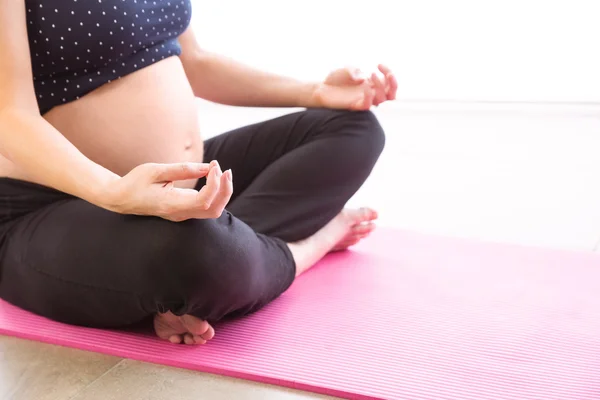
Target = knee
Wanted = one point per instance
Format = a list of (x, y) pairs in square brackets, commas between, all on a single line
[(359, 133), (212, 268), (369, 131), (200, 255)]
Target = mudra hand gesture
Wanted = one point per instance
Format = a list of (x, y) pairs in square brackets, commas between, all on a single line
[(349, 88)]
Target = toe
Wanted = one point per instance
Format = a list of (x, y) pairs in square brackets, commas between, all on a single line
[(188, 338), (175, 339), (195, 325), (368, 214), (209, 333), (363, 228), (353, 241), (166, 326), (199, 340)]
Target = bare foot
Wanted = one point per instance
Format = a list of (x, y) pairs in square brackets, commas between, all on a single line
[(362, 225), (186, 329), (346, 229)]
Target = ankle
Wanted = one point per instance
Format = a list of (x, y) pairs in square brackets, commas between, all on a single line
[(299, 254)]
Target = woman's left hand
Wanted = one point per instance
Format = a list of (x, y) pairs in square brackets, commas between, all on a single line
[(348, 88)]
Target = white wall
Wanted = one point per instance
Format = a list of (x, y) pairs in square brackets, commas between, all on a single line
[(497, 50), (522, 174), (457, 162)]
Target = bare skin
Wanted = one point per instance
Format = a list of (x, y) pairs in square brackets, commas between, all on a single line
[(150, 116), (117, 127), (348, 228)]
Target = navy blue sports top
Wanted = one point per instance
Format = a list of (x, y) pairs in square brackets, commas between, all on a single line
[(79, 45)]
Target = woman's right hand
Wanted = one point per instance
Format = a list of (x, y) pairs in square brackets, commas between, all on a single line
[(149, 190)]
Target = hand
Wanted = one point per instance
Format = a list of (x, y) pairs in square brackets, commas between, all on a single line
[(385, 89), (348, 88), (149, 190)]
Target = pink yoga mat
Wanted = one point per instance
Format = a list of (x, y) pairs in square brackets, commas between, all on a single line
[(403, 316)]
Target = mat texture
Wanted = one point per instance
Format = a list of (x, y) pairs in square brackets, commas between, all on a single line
[(403, 316)]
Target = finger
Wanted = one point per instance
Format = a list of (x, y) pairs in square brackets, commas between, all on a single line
[(369, 96), (379, 92), (392, 86), (178, 204), (180, 171), (207, 194), (391, 82), (225, 192), (364, 100), (384, 69), (379, 88)]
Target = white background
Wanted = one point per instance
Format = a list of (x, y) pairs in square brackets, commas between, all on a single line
[(496, 133), (506, 50)]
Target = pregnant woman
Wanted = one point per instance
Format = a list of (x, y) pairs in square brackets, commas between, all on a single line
[(113, 210)]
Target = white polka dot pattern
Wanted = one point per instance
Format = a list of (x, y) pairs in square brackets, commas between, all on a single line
[(79, 45)]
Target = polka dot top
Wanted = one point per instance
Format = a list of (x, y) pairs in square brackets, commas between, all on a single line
[(79, 45)]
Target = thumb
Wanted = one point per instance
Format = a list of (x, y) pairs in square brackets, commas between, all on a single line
[(356, 75), (180, 171)]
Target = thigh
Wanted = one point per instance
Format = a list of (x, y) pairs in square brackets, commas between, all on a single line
[(249, 150), (299, 170)]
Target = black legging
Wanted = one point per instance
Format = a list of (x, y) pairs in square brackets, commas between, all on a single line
[(68, 260)]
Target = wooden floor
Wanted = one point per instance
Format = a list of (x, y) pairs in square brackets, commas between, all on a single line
[(37, 371)]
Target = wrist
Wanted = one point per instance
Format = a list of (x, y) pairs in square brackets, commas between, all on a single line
[(101, 190), (308, 95)]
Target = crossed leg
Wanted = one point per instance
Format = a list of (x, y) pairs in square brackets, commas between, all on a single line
[(73, 262), (292, 178)]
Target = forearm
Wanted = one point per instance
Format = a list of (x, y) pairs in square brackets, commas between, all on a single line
[(48, 158), (222, 80)]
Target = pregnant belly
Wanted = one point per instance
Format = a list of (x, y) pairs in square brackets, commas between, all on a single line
[(148, 116)]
